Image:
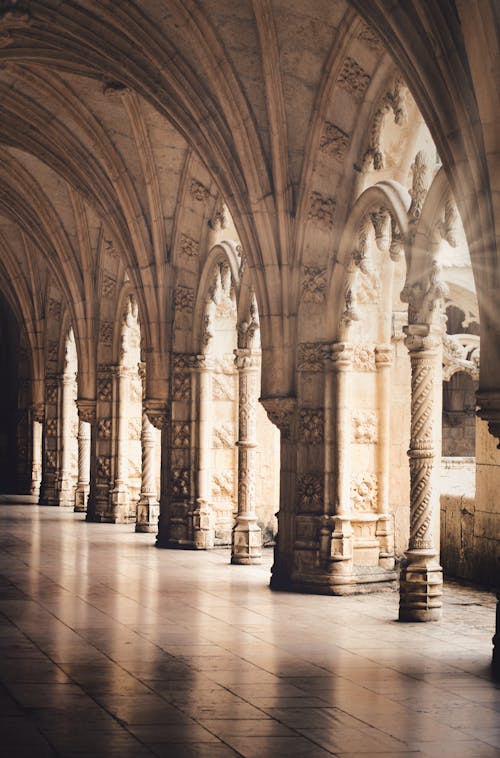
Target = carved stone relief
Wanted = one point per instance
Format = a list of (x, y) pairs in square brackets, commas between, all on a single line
[(51, 427), (103, 468), (334, 141), (419, 185), (108, 287), (184, 299), (394, 100), (189, 247), (180, 483), (314, 285), (181, 386), (50, 460), (106, 332), (353, 78), (322, 210), (312, 355), (52, 351), (198, 191), (364, 492), (51, 392), (223, 485), (364, 427), (104, 389), (219, 219), (312, 425), (104, 428), (281, 412), (223, 435), (181, 434), (370, 38)]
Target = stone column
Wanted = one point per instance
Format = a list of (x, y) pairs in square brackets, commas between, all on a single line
[(342, 535), (83, 483), (148, 507), (203, 526), (36, 455), (495, 663), (246, 545), (119, 495), (66, 482), (421, 574), (87, 452), (384, 531)]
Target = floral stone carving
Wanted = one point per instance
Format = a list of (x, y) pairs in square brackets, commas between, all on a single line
[(364, 492)]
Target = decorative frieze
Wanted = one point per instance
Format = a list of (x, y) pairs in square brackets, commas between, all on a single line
[(181, 434), (364, 427), (353, 79), (311, 356), (363, 357), (198, 191), (310, 493), (312, 425), (189, 247), (106, 332), (334, 141), (322, 210), (184, 299), (364, 493), (314, 285), (104, 428)]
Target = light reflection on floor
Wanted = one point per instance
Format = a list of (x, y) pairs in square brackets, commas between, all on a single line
[(109, 646)]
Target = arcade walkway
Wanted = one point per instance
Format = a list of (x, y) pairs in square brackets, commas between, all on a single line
[(110, 647)]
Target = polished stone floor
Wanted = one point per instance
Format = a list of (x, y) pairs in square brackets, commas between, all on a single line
[(110, 647)]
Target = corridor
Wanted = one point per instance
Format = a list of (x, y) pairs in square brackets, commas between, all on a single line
[(110, 647)]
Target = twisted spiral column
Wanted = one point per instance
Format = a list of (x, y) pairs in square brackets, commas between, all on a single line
[(421, 574), (148, 507), (247, 536), (66, 483)]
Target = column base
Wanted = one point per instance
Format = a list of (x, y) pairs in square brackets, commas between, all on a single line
[(148, 512), (421, 587), (246, 546), (354, 580)]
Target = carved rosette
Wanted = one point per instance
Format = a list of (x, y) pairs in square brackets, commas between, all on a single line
[(311, 356), (189, 247), (310, 492), (312, 425), (104, 389), (51, 427), (180, 483), (364, 358), (104, 428), (181, 434), (103, 469), (364, 427), (184, 299), (281, 412)]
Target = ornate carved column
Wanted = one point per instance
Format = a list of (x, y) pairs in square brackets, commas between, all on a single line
[(247, 536), (119, 495), (421, 574), (148, 507), (203, 518), (36, 456), (342, 535), (48, 494), (66, 484), (384, 530), (83, 483)]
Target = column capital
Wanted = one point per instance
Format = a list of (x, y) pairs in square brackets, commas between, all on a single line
[(423, 338), (157, 412), (38, 412), (383, 355), (281, 412), (246, 358), (341, 356), (86, 409)]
